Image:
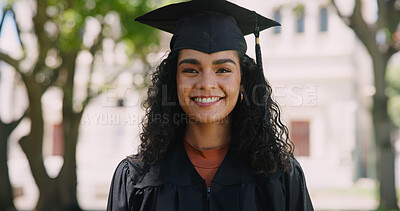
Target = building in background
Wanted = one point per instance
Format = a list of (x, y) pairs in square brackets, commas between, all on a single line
[(322, 79)]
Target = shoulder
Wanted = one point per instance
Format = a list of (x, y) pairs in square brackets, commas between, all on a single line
[(131, 169), (138, 174), (122, 167), (296, 188), (294, 171), (122, 187), (294, 176), (123, 173), (295, 168)]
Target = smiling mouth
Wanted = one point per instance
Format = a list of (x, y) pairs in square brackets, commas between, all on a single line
[(206, 99)]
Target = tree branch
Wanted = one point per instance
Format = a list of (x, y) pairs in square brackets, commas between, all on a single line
[(13, 62), (340, 14), (89, 94), (53, 78), (363, 31), (4, 57), (19, 33), (3, 17), (357, 19), (93, 49), (15, 123), (92, 95), (382, 13), (44, 45)]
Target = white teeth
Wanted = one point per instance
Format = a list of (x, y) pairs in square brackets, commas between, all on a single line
[(206, 100)]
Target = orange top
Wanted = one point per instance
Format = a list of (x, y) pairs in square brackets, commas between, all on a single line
[(206, 162)]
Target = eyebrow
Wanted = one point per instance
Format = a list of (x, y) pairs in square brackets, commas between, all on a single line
[(217, 62), (189, 61), (222, 61)]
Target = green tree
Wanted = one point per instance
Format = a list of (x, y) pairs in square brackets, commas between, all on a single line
[(61, 29), (6, 193), (381, 38)]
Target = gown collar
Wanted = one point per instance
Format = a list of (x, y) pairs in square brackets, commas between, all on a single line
[(176, 168)]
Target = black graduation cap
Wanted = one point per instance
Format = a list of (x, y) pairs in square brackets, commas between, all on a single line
[(207, 25), (210, 26)]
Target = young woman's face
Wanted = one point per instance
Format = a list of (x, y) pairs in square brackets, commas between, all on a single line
[(208, 84)]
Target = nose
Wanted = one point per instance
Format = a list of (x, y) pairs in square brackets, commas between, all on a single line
[(207, 80)]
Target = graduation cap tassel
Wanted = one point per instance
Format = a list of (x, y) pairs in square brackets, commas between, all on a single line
[(261, 74), (258, 48)]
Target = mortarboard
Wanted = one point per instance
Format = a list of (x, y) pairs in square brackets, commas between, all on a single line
[(210, 26), (207, 25)]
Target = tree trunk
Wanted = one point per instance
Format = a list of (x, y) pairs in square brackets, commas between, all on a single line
[(58, 194), (54, 197), (383, 127), (51, 190), (68, 174), (6, 193), (67, 179), (49, 198), (32, 145)]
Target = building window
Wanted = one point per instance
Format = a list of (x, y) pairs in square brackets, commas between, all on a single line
[(277, 18), (299, 11), (300, 136), (323, 19)]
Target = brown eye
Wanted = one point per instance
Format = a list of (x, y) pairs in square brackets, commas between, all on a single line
[(189, 70), (223, 70)]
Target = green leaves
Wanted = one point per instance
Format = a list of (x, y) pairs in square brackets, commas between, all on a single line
[(70, 24), (68, 18)]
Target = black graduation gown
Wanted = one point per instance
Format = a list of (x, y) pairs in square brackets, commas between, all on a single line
[(175, 185)]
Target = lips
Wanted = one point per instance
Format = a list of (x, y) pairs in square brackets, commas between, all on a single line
[(205, 101)]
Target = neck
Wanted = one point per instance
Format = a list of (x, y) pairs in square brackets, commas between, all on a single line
[(207, 136)]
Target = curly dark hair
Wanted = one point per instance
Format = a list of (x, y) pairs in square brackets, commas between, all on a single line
[(165, 121)]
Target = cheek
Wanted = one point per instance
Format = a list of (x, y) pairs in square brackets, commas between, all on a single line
[(179, 87), (183, 92), (233, 87)]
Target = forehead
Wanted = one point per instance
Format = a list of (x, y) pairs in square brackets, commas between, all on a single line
[(201, 56)]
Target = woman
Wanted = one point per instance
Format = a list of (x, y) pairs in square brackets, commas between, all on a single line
[(212, 137)]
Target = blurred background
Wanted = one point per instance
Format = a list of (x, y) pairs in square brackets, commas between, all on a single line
[(73, 75)]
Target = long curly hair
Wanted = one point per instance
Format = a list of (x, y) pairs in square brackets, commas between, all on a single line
[(165, 121)]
